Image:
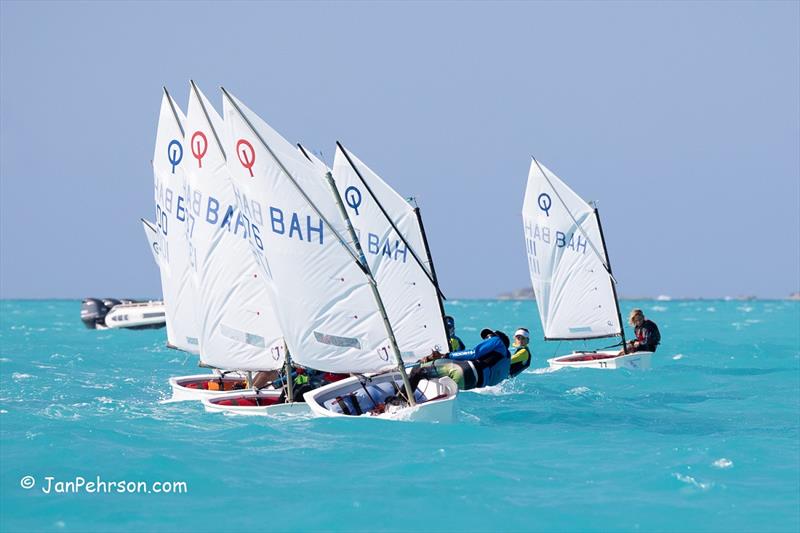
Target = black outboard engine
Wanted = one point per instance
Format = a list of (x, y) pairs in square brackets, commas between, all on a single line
[(94, 311), (111, 302)]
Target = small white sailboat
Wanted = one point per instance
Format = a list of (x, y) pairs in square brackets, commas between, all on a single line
[(237, 326), (571, 274), (177, 284), (199, 386), (375, 397), (331, 312)]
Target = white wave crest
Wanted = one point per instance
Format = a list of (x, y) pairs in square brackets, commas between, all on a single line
[(689, 480), (677, 357), (723, 463), (545, 370)]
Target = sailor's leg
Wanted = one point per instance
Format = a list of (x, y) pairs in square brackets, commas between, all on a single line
[(455, 370)]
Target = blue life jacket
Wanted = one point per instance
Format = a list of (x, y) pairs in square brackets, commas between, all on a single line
[(491, 359)]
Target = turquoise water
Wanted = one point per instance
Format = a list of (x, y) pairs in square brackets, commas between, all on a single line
[(707, 440)]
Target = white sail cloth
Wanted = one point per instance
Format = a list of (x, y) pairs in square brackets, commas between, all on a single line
[(238, 326), (567, 262), (398, 261), (177, 283), (153, 240), (327, 312)]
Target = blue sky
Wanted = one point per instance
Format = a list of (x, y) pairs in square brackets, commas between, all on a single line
[(681, 119)]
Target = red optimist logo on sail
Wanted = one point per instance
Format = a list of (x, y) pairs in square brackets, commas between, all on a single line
[(247, 155), (199, 147)]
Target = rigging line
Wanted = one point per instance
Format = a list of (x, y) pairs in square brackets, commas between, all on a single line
[(313, 206), (208, 118), (613, 345), (594, 249), (174, 112), (388, 218), (557, 348), (374, 403)]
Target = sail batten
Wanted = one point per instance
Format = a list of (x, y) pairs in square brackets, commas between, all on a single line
[(571, 278)]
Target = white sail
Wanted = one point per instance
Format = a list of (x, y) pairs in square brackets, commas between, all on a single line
[(238, 326), (567, 262), (177, 283), (396, 256), (327, 311), (153, 240)]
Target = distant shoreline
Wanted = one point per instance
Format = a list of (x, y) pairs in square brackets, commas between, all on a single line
[(527, 294)]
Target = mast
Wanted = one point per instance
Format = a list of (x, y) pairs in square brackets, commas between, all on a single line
[(374, 286), (391, 222), (360, 261), (208, 119), (613, 285), (433, 269)]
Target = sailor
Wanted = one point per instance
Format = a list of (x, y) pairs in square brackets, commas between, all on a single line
[(647, 334), (305, 379), (455, 343), (264, 378), (521, 358), (485, 365)]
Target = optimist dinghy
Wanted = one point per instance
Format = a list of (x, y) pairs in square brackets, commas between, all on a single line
[(333, 314), (199, 386), (570, 272), (174, 254), (238, 328), (380, 397)]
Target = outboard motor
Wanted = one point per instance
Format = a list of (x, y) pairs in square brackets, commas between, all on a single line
[(111, 302), (93, 312)]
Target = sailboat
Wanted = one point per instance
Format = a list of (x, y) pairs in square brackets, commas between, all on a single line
[(330, 310), (238, 329), (571, 274), (177, 284), (391, 232)]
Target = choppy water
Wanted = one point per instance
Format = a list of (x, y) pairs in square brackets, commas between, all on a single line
[(708, 440)]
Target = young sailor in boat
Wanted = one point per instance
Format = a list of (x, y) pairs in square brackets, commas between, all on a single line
[(305, 379), (456, 344), (485, 365), (521, 358), (647, 334)]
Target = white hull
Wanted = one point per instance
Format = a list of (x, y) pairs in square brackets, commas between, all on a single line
[(135, 315), (222, 404), (182, 389), (440, 406), (608, 360)]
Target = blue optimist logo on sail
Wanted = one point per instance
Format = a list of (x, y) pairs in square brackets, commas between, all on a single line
[(174, 153), (353, 198), (545, 203)]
